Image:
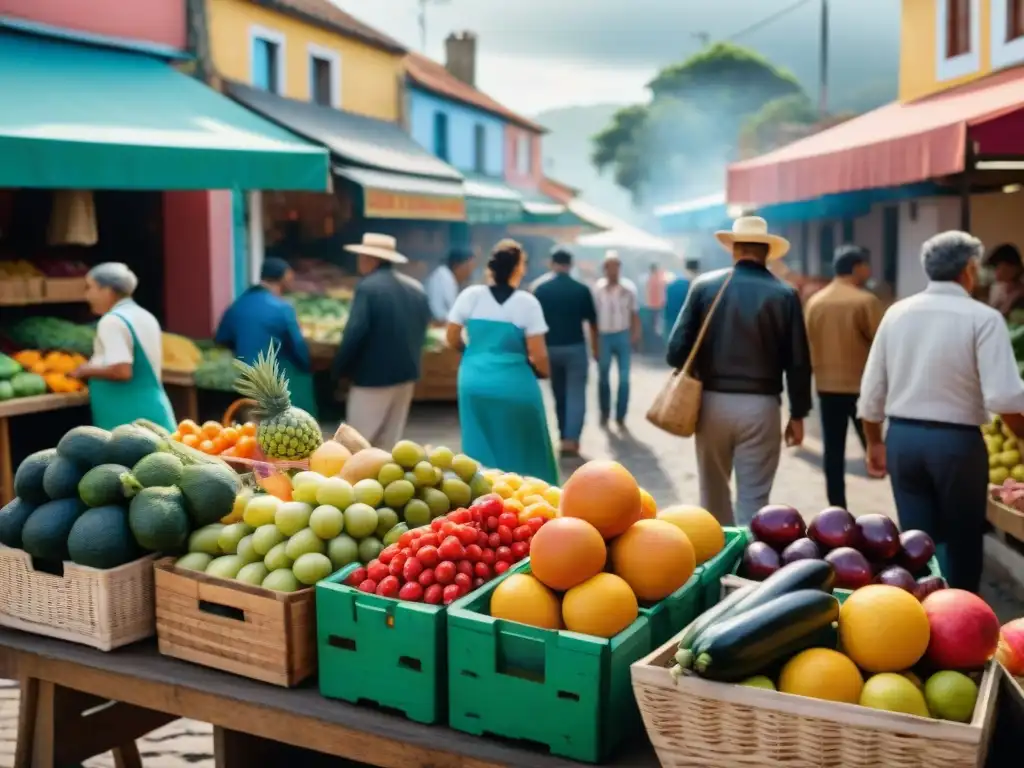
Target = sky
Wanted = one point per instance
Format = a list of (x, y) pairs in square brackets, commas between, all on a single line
[(541, 54)]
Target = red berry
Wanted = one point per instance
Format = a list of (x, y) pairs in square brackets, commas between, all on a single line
[(412, 591), (509, 519), (388, 554), (357, 577), (466, 535), (406, 538), (429, 556), (413, 548), (377, 571), (460, 516), (494, 540), (448, 528), (500, 567), (433, 594), (488, 505), (429, 540), (504, 553), (412, 569), (445, 572), (522, 533), (520, 549), (505, 534), (488, 556), (464, 566), (452, 593), (473, 552), (397, 564), (427, 577), (482, 570), (536, 523), (492, 523), (482, 538), (388, 587), (451, 549), (464, 580), (368, 585), (478, 582), (436, 523)]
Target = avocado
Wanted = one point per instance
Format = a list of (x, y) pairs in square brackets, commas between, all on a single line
[(129, 444), (45, 534), (61, 478), (100, 538), (158, 519), (102, 485), (209, 491), (158, 469), (12, 520), (28, 480), (84, 445)]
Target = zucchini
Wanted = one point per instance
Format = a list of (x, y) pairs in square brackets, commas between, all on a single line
[(749, 642), (717, 612), (803, 574)]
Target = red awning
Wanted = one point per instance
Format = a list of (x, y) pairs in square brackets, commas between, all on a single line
[(893, 145)]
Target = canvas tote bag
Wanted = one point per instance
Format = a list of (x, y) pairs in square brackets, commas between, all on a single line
[(676, 409)]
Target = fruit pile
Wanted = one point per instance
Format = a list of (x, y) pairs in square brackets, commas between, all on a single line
[(215, 439), (860, 550), (782, 634), (1004, 457), (102, 499), (602, 523), (47, 333), (455, 554), (1010, 493), (52, 367)]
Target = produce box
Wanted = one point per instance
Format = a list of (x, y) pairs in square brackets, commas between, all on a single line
[(733, 581), (1005, 518), (104, 609), (695, 722), (69, 289), (439, 376), (389, 652), (567, 692), (676, 611), (722, 564), (235, 627)]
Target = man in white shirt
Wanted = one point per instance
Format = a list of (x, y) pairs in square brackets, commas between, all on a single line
[(618, 324), (939, 364), (444, 283)]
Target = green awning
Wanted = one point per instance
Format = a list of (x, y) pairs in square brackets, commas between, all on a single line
[(541, 210), (489, 201), (77, 116)]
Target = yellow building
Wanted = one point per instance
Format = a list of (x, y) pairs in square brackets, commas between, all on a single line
[(308, 50), (946, 43)]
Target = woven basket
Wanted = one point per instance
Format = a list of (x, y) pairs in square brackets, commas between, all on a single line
[(104, 609), (702, 724)]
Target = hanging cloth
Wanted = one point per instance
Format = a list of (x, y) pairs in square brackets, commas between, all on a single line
[(73, 218)]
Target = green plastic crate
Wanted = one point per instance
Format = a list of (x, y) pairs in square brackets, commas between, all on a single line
[(567, 692), (725, 562), (675, 612)]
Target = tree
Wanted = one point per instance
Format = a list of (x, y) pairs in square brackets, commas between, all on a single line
[(678, 143), (765, 129)]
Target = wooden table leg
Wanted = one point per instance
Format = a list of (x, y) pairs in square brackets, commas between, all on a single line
[(127, 756), (6, 463), (192, 403)]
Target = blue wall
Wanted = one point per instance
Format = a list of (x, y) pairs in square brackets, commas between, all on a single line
[(462, 122)]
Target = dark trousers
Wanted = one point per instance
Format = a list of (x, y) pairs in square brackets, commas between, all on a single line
[(837, 411), (939, 478)]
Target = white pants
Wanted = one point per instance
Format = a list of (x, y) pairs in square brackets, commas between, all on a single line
[(380, 413)]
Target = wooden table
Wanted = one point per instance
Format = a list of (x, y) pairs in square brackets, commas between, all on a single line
[(22, 406), (182, 392), (60, 681)]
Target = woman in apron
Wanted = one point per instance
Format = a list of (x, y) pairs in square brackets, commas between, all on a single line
[(124, 372), (259, 318), (501, 410)]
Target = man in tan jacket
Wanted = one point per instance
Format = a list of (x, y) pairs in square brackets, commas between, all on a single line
[(842, 319)]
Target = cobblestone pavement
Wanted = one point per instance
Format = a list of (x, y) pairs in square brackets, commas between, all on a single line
[(665, 465)]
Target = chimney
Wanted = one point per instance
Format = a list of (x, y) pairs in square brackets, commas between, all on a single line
[(460, 56)]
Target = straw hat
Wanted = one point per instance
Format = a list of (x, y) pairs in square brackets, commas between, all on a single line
[(380, 247), (753, 229), (612, 255)]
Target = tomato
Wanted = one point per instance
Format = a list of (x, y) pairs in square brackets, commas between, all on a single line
[(429, 540), (492, 523), (448, 528), (482, 570), (494, 540), (368, 585), (412, 569), (357, 577), (505, 554), (432, 595), (427, 577), (436, 523), (460, 516), (451, 549), (464, 580), (520, 549), (388, 587), (488, 556), (397, 564), (500, 567), (376, 571), (478, 582), (522, 533), (466, 535), (411, 591), (473, 552), (406, 539), (428, 556), (536, 523), (464, 566), (505, 534), (388, 554), (508, 519), (451, 593), (482, 538), (488, 505), (445, 572)]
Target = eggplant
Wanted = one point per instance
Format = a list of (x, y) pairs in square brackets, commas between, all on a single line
[(717, 612), (802, 574), (749, 642)]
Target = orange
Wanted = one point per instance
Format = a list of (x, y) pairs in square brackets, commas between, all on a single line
[(567, 551), (700, 527), (648, 506), (883, 628), (246, 446), (602, 606), (188, 427), (190, 439), (219, 445), (821, 673), (230, 435), (654, 557), (210, 429), (604, 494), (523, 598), (249, 428), (176, 437), (206, 446)]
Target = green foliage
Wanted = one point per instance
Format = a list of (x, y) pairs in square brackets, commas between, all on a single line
[(760, 131)]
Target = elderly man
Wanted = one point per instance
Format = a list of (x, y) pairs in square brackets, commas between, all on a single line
[(755, 337), (618, 327), (444, 283), (940, 362), (125, 369), (383, 341)]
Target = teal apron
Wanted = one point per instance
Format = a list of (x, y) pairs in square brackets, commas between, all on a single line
[(501, 410), (141, 397), (300, 386)]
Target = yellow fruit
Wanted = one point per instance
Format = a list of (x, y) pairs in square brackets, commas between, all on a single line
[(821, 673), (523, 598), (553, 496), (513, 505), (530, 499), (700, 527), (883, 628), (604, 494), (601, 606), (512, 480), (329, 458), (503, 489), (654, 557), (893, 693)]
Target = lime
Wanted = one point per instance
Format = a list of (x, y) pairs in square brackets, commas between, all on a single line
[(368, 492), (425, 473), (481, 486), (261, 509), (282, 580), (894, 693), (253, 573), (342, 551), (411, 477), (759, 681), (292, 517), (266, 538), (277, 557), (327, 522), (408, 454), (437, 501), (206, 540), (369, 549), (226, 567), (230, 535), (389, 473), (441, 457), (360, 521), (465, 467), (311, 568), (335, 492), (306, 489), (247, 551), (392, 536), (417, 513), (951, 696), (398, 493), (194, 561), (304, 542), (457, 491), (387, 519)]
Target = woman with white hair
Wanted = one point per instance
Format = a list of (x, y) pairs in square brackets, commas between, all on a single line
[(124, 372)]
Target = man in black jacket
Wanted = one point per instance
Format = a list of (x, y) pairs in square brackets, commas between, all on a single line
[(755, 336), (382, 344)]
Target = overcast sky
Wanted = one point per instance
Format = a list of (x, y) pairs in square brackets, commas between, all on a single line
[(539, 54)]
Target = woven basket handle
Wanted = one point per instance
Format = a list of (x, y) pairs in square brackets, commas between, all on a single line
[(704, 327), (235, 407)]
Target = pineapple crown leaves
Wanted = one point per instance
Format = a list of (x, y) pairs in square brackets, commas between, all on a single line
[(264, 383)]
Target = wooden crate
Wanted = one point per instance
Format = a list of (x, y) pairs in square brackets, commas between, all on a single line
[(439, 376), (13, 291), (248, 631), (1005, 518), (70, 289)]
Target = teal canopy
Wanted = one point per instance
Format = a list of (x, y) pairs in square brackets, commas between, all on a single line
[(81, 116)]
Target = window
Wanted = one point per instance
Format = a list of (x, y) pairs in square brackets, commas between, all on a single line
[(958, 28), (523, 155), (479, 148), (324, 76), (958, 37), (1014, 20), (267, 61), (441, 135)]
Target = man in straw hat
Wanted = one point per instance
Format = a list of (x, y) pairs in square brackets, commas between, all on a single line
[(383, 341), (755, 336)]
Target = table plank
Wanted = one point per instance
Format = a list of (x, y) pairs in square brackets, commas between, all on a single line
[(20, 406), (139, 675)]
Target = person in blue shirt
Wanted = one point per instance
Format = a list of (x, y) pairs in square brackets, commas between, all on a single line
[(261, 317), (675, 294)]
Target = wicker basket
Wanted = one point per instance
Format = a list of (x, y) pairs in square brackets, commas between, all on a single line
[(104, 609), (702, 724)]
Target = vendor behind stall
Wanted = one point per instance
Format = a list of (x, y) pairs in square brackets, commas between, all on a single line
[(261, 317), (124, 372), (1007, 294), (447, 280)]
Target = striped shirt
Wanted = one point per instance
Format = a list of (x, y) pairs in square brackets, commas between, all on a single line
[(616, 305)]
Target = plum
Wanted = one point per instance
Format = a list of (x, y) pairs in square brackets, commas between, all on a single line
[(851, 567), (896, 576), (759, 561), (916, 549), (879, 537), (801, 549), (778, 526), (833, 528)]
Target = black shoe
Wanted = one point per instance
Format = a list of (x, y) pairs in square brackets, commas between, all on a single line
[(604, 422)]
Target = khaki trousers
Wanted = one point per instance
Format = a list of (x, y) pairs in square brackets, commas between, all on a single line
[(380, 413)]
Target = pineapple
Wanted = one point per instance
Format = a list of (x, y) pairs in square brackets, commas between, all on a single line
[(284, 432)]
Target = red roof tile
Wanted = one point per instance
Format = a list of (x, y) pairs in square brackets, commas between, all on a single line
[(326, 14), (431, 76)]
